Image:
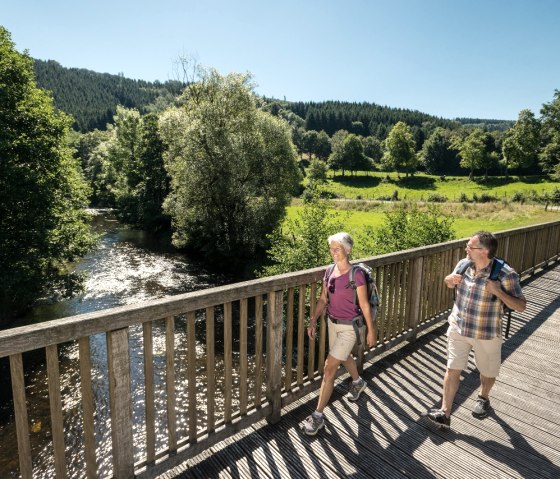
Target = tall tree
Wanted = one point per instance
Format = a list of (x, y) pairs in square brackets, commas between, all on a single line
[(437, 155), (520, 147), (472, 150), (232, 167), (399, 147), (549, 156), (43, 224)]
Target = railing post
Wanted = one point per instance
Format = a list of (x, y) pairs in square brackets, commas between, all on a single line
[(274, 355), (120, 400), (415, 295)]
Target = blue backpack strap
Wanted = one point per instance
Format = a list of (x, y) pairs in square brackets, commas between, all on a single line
[(497, 266), (464, 265)]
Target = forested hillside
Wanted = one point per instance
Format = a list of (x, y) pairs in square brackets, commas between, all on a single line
[(92, 98)]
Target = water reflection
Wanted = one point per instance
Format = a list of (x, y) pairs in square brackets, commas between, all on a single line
[(128, 266)]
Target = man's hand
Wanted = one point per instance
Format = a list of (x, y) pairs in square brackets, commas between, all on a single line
[(493, 287), (453, 279)]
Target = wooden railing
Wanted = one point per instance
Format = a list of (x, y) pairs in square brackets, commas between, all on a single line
[(191, 393)]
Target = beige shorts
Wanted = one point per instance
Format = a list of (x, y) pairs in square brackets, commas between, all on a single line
[(487, 353), (341, 340)]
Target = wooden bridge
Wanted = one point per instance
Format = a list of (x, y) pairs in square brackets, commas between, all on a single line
[(384, 434), (231, 408)]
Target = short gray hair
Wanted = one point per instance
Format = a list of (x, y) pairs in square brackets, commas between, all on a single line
[(344, 239)]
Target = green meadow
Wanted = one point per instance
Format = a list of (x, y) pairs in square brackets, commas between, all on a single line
[(420, 186), (468, 217)]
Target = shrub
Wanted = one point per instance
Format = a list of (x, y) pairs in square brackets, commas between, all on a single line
[(463, 198), (518, 197), (395, 196), (437, 198)]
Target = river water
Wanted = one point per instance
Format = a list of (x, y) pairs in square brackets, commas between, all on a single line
[(127, 267)]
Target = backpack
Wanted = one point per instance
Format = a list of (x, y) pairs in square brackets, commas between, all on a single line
[(497, 266), (373, 296)]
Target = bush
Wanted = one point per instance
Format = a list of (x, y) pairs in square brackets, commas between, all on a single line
[(437, 198), (484, 198), (395, 196), (463, 198), (518, 197)]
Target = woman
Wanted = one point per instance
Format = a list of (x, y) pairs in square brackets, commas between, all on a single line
[(338, 297)]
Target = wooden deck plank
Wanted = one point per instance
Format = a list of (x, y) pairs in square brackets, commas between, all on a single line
[(384, 433)]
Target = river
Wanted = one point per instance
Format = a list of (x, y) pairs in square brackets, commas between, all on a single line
[(128, 266)]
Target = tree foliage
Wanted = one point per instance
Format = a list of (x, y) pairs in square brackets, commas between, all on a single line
[(399, 149), (521, 144), (92, 98), (437, 155), (43, 224), (232, 167), (404, 228), (549, 156), (302, 243)]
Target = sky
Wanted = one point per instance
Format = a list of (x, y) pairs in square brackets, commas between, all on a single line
[(450, 58)]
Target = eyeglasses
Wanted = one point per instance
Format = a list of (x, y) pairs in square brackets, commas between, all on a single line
[(331, 286), (470, 247)]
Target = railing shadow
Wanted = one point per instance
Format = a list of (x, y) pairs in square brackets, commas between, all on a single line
[(363, 439)]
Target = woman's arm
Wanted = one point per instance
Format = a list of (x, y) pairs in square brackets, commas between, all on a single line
[(369, 315), (319, 307)]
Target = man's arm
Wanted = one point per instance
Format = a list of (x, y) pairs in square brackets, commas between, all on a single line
[(512, 302)]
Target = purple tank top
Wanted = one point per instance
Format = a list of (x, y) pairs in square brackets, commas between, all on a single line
[(341, 298)]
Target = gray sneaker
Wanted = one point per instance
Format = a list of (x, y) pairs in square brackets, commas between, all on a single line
[(312, 424), (355, 390), (481, 407)]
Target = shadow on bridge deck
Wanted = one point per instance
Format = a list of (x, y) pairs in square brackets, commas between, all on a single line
[(383, 435)]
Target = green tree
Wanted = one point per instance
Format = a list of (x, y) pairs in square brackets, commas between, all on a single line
[(437, 155), (302, 242), (373, 149), (317, 172), (472, 150), (549, 156), (404, 228), (335, 158), (43, 224), (520, 147), (399, 149), (232, 167), (323, 146)]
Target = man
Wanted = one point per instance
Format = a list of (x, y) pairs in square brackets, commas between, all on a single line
[(475, 323)]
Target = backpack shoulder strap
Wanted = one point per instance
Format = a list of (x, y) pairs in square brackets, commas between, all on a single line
[(463, 267), (497, 266)]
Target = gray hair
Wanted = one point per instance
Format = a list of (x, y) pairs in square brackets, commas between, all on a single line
[(344, 239)]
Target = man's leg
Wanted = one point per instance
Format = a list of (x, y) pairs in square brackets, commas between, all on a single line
[(451, 383), (485, 386)]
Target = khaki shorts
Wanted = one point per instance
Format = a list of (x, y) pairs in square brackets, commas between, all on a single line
[(341, 340), (487, 353)]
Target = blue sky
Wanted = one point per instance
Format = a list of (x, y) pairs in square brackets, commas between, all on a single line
[(450, 58)]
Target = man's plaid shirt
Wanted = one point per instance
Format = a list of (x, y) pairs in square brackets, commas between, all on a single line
[(477, 313)]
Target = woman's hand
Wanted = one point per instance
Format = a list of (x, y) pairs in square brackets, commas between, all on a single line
[(312, 329), (371, 337)]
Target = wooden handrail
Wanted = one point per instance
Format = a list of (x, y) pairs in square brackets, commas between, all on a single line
[(262, 372)]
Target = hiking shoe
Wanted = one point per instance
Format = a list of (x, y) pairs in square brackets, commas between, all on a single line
[(481, 407), (312, 424), (356, 389), (438, 417)]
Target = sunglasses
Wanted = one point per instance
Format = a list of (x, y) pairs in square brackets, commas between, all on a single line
[(331, 286)]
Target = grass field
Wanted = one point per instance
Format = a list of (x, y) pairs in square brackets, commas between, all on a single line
[(468, 217), (421, 186)]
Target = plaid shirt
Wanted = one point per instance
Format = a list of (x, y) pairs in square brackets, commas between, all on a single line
[(477, 313)]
